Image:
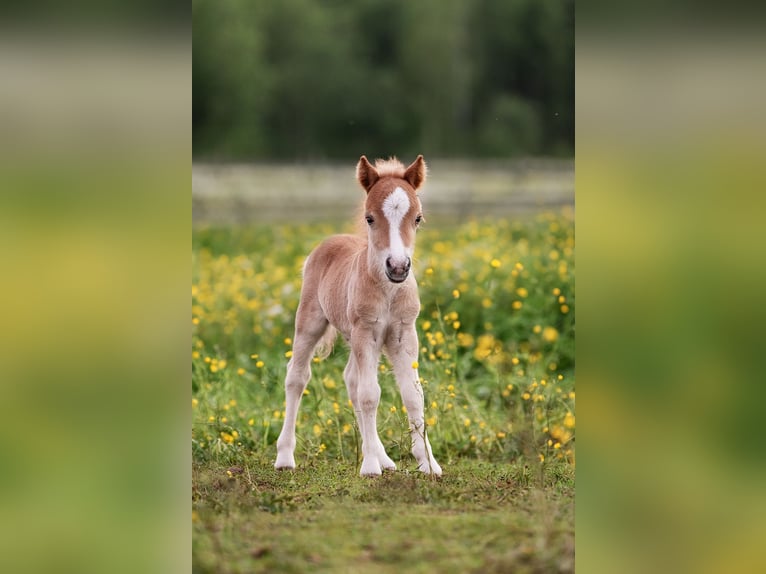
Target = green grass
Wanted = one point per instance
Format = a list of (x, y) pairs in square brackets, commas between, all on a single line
[(497, 365), (480, 517)]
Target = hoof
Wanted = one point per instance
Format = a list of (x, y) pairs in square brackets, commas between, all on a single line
[(433, 468), (370, 468), (284, 462), (386, 463)]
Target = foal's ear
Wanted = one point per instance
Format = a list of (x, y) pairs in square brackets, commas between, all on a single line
[(416, 173), (366, 174)]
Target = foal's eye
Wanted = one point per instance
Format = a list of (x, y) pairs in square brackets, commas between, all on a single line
[(418, 219), (369, 219)]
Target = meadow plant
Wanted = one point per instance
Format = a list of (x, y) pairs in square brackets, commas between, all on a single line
[(496, 330)]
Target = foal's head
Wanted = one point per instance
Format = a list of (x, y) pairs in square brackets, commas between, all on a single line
[(393, 213)]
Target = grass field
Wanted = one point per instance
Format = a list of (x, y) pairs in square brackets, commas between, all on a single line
[(497, 366)]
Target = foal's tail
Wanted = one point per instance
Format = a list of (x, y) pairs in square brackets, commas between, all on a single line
[(326, 342)]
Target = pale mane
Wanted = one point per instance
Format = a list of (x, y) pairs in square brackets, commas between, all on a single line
[(389, 167)]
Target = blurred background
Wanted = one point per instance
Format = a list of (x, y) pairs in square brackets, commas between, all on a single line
[(298, 90)]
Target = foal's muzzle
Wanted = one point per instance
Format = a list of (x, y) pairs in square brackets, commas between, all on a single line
[(397, 273)]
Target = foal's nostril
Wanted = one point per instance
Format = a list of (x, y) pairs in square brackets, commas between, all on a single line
[(408, 264), (388, 263)]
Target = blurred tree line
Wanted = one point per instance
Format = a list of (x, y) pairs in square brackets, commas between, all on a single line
[(324, 79)]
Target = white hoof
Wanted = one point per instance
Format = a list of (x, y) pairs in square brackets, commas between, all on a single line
[(370, 467), (431, 467), (386, 463), (285, 461)]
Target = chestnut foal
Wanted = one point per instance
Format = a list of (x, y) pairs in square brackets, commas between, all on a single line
[(363, 288)]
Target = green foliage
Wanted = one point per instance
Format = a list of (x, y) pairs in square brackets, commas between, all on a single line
[(302, 79), (325, 518), (497, 342), (496, 333)]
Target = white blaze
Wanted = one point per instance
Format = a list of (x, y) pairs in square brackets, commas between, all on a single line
[(395, 207)]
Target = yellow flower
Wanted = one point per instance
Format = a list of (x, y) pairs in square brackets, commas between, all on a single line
[(211, 419), (500, 434), (456, 325), (556, 291), (569, 420), (516, 305), (289, 354), (550, 334), (195, 354), (195, 321), (526, 396), (456, 294), (346, 428), (288, 341), (426, 325), (259, 364), (429, 271), (317, 430), (486, 302), (515, 360), (467, 422), (536, 329), (519, 267), (195, 402), (495, 263), (542, 458), (431, 421), (521, 292), (565, 309), (240, 371), (415, 364), (393, 409), (562, 299), (254, 356), (250, 422), (227, 438)]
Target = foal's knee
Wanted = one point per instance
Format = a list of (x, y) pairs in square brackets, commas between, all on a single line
[(368, 397)]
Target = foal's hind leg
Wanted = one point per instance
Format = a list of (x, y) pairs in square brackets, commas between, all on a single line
[(310, 324), (402, 351)]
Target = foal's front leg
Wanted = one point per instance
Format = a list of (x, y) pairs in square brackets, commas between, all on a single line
[(365, 352), (402, 350), (351, 376)]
